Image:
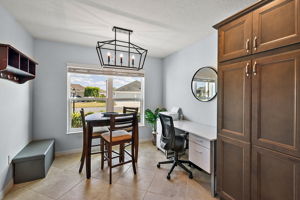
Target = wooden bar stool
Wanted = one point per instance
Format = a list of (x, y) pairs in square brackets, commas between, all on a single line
[(96, 135), (127, 110), (117, 135)]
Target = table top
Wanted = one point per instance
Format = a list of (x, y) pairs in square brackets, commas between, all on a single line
[(96, 117), (101, 117), (201, 130)]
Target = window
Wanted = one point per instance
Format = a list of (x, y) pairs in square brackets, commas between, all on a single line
[(96, 91), (127, 92)]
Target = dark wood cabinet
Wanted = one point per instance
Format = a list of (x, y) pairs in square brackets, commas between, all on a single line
[(276, 101), (234, 100), (276, 24), (233, 169), (235, 38), (273, 25), (275, 176), (15, 66), (259, 103)]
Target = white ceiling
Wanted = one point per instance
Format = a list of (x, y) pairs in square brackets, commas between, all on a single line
[(161, 26)]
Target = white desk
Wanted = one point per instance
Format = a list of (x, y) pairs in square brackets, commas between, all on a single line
[(197, 129), (202, 146)]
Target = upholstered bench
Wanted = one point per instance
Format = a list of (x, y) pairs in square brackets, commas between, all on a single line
[(34, 161)]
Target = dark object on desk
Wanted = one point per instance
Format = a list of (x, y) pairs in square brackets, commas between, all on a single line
[(118, 136), (108, 114), (170, 141), (34, 161), (96, 135)]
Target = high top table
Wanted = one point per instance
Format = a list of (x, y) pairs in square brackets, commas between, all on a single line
[(98, 119)]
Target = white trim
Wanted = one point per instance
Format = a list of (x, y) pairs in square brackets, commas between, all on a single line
[(67, 152), (74, 132), (7, 188), (80, 129), (78, 150), (145, 140), (97, 69)]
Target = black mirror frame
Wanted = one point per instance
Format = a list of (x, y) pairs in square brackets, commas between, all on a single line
[(193, 80)]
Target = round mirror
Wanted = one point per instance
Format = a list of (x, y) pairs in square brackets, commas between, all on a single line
[(204, 84)]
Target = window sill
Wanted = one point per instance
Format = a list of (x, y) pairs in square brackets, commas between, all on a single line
[(73, 132)]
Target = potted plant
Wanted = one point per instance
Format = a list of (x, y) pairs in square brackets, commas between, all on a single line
[(151, 118)]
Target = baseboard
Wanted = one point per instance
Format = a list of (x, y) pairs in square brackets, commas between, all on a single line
[(67, 152), (6, 188), (78, 150), (145, 140)]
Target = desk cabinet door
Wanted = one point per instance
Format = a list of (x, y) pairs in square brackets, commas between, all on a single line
[(235, 38), (276, 24), (233, 169), (234, 100), (275, 176), (276, 102)]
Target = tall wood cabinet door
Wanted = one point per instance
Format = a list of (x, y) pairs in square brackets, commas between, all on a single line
[(233, 169), (276, 24), (275, 176), (235, 38), (276, 102), (234, 100)]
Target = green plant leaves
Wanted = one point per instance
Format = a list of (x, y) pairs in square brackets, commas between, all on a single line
[(151, 116)]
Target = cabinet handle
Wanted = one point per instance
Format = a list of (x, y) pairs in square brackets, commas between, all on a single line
[(247, 45), (254, 69), (255, 43), (247, 70)]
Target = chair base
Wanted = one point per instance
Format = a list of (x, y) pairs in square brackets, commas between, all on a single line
[(177, 162)]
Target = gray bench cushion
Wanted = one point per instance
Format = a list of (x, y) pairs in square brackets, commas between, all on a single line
[(34, 150)]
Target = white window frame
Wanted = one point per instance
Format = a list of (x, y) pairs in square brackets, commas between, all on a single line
[(96, 70)]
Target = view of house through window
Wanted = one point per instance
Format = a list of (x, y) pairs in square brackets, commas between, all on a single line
[(102, 93)]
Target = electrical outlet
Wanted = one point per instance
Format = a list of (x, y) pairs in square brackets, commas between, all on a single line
[(8, 160)]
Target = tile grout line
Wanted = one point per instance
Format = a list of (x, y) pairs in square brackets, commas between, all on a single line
[(69, 189)]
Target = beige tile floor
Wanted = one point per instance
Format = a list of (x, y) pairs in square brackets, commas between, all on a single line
[(63, 181)]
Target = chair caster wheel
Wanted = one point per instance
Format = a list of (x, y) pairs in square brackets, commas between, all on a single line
[(168, 177), (191, 176), (158, 165)]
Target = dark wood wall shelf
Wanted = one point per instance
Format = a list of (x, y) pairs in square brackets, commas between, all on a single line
[(15, 66)]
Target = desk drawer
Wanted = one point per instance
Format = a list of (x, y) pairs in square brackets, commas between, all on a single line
[(199, 140), (200, 156)]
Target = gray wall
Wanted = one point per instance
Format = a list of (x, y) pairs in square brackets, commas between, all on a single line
[(178, 71), (15, 100), (50, 90)]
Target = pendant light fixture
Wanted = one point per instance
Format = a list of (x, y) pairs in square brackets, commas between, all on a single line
[(121, 54)]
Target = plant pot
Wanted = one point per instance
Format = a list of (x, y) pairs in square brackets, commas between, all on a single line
[(154, 138)]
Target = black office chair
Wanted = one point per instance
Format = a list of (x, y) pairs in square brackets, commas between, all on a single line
[(170, 141)]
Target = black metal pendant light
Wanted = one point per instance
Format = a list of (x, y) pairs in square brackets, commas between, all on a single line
[(121, 54)]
